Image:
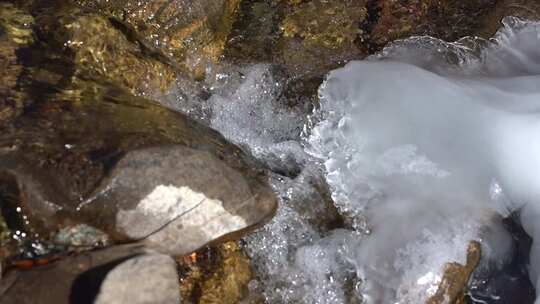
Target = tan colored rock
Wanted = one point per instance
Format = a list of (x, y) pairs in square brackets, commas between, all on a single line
[(218, 275), (329, 25), (455, 278), (176, 199), (15, 32), (16, 24), (100, 49), (317, 35), (229, 282)]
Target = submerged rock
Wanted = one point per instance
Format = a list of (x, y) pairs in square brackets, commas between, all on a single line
[(81, 236), (106, 48), (315, 22), (193, 33), (318, 34), (307, 37), (15, 32)]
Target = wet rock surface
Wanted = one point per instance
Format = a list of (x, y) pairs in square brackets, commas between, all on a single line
[(15, 32), (215, 275), (88, 160), (456, 276), (159, 194), (193, 33), (76, 167)]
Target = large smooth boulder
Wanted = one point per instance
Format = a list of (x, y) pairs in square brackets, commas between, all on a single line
[(130, 168)]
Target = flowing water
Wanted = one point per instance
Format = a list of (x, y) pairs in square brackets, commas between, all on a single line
[(425, 146)]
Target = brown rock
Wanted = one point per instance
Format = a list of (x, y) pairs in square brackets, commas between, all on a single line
[(192, 32), (518, 8), (101, 47), (455, 278), (95, 160), (15, 32), (398, 19), (216, 275), (307, 37), (317, 35)]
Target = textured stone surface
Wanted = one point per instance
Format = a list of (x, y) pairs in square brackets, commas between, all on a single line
[(192, 32), (456, 277), (63, 174), (144, 279), (215, 275), (15, 32), (75, 279), (103, 47), (177, 199)]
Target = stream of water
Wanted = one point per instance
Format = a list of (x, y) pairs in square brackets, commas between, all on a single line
[(424, 146)]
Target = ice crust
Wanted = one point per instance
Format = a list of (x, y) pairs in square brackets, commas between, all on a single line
[(425, 146), (430, 143)]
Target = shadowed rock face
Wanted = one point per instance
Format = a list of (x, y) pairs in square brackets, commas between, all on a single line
[(97, 277), (218, 274), (15, 32)]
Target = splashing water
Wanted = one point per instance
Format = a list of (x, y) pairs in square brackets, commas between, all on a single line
[(425, 147)]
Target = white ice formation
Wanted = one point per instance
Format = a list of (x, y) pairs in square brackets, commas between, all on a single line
[(425, 146)]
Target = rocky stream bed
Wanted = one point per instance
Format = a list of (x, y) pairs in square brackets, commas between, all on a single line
[(268, 151)]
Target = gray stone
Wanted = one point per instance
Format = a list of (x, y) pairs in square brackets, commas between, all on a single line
[(145, 279), (74, 279)]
